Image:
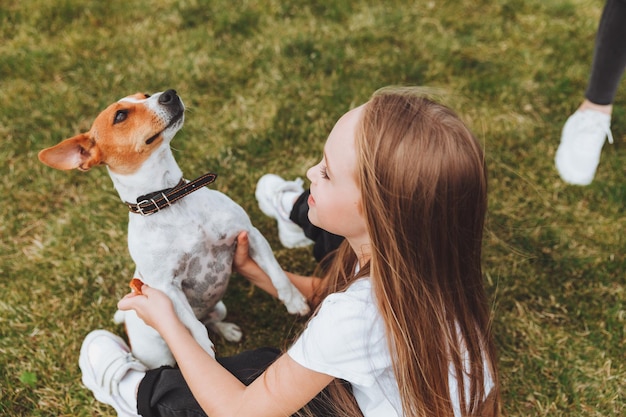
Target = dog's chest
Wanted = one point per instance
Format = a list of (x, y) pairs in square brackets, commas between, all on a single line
[(189, 245), (192, 254), (203, 273), (201, 267)]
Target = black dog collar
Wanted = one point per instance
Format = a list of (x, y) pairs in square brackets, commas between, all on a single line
[(151, 203)]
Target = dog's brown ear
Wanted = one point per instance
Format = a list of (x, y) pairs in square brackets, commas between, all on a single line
[(78, 152)]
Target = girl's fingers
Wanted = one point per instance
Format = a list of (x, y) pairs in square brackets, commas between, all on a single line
[(128, 301), (242, 242), (241, 251)]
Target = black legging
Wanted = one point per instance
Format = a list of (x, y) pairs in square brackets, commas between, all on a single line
[(609, 57), (163, 392)]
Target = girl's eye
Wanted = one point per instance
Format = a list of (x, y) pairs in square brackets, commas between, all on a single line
[(324, 172), (120, 116)]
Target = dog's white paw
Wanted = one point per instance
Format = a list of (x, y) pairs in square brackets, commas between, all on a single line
[(296, 304), (229, 331), (208, 346)]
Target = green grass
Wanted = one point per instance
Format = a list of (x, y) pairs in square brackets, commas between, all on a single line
[(264, 81)]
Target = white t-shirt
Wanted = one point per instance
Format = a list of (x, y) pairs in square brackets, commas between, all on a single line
[(346, 339)]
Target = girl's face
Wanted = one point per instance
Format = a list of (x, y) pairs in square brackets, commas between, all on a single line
[(335, 201)]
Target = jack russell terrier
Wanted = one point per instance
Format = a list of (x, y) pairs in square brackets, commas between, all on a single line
[(182, 237)]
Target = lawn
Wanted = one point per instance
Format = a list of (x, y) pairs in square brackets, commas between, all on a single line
[(264, 82)]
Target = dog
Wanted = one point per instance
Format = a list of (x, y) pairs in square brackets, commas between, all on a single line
[(181, 237)]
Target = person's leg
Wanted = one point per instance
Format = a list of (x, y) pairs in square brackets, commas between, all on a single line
[(609, 56), (275, 197), (164, 391), (116, 378), (286, 201), (585, 131)]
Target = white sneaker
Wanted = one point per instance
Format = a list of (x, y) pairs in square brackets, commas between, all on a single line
[(104, 360), (583, 137), (270, 192)]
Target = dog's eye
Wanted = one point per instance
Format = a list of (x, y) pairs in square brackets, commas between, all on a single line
[(146, 95), (120, 116)]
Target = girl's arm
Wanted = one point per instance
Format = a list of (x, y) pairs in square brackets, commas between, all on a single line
[(246, 266), (281, 390)]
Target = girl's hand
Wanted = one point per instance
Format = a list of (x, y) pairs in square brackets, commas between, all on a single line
[(152, 306), (247, 267), (242, 262)]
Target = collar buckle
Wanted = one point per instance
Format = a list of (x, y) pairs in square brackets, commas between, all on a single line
[(150, 203)]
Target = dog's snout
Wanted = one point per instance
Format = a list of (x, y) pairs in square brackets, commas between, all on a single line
[(168, 97)]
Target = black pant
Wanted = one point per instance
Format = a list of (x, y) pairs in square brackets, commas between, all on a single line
[(163, 392), (609, 56)]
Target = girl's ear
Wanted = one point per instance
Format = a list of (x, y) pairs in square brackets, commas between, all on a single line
[(77, 152)]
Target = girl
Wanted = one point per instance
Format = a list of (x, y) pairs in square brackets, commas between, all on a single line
[(402, 321)]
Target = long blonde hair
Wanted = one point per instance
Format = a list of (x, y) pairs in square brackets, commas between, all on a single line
[(424, 197)]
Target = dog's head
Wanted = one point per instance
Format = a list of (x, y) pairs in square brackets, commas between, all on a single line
[(123, 135)]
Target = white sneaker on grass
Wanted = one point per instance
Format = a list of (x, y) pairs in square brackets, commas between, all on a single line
[(582, 139), (104, 360), (276, 197)]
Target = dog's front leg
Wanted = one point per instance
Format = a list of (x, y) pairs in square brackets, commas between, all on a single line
[(186, 315), (146, 343), (261, 252)]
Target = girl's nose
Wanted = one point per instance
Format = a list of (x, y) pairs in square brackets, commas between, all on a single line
[(309, 173)]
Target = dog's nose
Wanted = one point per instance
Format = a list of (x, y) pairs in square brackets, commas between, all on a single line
[(168, 97)]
